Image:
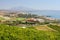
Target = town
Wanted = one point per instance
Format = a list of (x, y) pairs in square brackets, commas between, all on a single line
[(20, 17)]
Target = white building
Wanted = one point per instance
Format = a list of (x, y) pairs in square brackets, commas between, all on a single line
[(40, 20)]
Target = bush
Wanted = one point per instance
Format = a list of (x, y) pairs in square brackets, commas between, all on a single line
[(55, 27), (16, 33)]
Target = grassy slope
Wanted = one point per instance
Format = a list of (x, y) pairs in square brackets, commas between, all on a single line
[(55, 27), (17, 33), (44, 28)]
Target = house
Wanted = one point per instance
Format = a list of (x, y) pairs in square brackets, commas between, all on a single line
[(35, 20), (31, 19), (52, 19), (40, 20)]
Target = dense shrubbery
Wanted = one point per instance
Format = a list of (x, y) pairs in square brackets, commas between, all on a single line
[(16, 33), (29, 15), (55, 27)]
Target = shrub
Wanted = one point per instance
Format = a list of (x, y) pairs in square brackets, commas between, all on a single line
[(16, 33)]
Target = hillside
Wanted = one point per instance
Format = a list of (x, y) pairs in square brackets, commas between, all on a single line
[(26, 26), (17, 33)]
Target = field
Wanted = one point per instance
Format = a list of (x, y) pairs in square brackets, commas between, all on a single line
[(30, 33)]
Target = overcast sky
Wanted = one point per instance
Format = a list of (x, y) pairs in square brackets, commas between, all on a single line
[(35, 4)]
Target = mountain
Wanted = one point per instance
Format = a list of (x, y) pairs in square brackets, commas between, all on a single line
[(22, 9)]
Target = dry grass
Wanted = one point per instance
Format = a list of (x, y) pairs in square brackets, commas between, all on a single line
[(44, 28)]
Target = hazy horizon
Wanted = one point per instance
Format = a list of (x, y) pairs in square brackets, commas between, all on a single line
[(34, 4)]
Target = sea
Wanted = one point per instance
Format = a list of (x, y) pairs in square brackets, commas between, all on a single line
[(51, 13)]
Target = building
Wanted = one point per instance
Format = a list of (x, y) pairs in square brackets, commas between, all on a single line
[(35, 20)]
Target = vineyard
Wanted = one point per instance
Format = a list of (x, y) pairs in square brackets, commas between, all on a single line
[(55, 27), (30, 33)]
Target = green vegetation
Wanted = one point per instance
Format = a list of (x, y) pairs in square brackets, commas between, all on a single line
[(20, 19), (19, 28), (29, 15), (1, 18), (55, 27), (17, 33)]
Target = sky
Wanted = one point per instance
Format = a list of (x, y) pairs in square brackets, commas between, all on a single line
[(34, 4)]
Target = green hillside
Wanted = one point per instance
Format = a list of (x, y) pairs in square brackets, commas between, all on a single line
[(55, 27), (17, 33)]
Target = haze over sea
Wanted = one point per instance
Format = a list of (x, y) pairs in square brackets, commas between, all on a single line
[(52, 13)]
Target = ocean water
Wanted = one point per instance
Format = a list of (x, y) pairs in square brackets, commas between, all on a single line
[(52, 13)]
